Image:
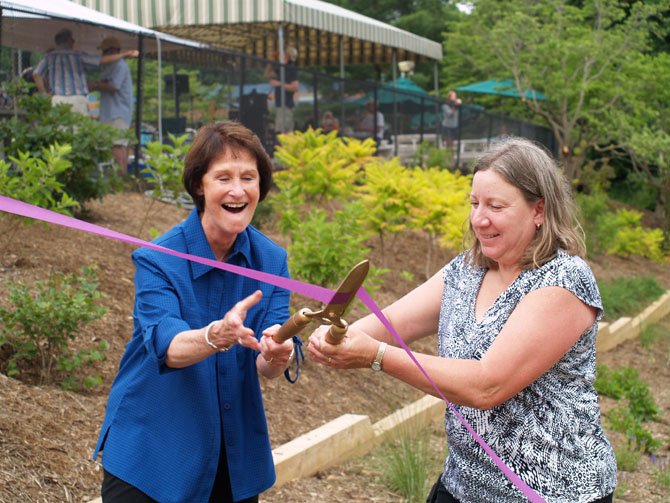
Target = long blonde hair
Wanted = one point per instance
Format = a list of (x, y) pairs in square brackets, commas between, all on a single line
[(532, 170)]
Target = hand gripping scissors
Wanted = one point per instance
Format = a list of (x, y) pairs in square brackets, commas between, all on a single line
[(331, 313)]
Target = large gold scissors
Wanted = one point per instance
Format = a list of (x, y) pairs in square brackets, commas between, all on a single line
[(331, 313)]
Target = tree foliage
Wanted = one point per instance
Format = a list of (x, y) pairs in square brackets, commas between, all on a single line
[(585, 56)]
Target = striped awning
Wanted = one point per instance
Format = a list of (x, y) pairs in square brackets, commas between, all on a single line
[(32, 24), (317, 29)]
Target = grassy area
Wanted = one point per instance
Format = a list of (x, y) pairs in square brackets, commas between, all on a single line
[(628, 296)]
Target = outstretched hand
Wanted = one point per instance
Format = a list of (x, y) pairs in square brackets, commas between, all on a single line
[(231, 329)]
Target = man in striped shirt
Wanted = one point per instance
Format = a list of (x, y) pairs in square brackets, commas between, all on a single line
[(64, 69)]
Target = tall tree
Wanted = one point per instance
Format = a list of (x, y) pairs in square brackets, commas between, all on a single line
[(579, 54)]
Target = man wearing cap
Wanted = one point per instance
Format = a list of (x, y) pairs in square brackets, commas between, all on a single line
[(116, 98), (65, 71)]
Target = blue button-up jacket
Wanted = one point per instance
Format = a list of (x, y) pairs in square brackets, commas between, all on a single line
[(163, 427)]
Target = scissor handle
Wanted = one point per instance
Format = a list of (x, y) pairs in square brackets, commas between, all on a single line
[(293, 325), (336, 333)]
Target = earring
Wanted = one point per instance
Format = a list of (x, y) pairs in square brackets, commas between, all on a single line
[(537, 226)]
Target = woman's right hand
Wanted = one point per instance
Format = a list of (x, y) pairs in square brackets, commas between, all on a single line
[(231, 330)]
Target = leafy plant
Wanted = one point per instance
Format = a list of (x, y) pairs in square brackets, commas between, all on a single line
[(36, 181), (325, 248), (623, 420), (390, 193), (39, 322), (442, 209), (618, 233), (639, 405), (164, 172), (324, 167), (40, 125), (429, 155)]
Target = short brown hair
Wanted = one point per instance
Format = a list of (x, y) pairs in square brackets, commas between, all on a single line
[(532, 170), (213, 141), (63, 35)]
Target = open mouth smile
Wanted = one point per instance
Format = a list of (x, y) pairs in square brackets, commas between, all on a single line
[(234, 207)]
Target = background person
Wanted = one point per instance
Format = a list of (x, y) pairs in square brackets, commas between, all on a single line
[(185, 418), (329, 122), (284, 120), (116, 99), (517, 318), (367, 124), (62, 71), (450, 116)]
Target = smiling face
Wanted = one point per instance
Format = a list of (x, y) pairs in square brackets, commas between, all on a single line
[(503, 222), (231, 190)]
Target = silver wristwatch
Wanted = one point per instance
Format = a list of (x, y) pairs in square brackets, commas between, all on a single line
[(377, 362)]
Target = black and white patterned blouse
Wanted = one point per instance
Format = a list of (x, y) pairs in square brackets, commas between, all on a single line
[(550, 433)]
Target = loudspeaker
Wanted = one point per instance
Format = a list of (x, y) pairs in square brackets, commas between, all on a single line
[(182, 83)]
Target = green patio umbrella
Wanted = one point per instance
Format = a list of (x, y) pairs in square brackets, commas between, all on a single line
[(409, 97), (500, 88)]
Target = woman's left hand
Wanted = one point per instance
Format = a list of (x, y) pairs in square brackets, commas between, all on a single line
[(357, 349)]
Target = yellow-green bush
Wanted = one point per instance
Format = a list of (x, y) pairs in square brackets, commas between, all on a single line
[(325, 167)]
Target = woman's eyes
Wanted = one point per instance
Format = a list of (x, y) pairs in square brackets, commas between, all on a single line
[(246, 178), (494, 207)]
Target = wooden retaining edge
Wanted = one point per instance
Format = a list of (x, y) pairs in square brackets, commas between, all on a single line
[(347, 437), (352, 435), (610, 335)]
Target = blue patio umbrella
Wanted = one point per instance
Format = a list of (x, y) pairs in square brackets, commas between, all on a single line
[(500, 88)]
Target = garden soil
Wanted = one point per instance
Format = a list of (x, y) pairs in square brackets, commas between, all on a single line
[(47, 435)]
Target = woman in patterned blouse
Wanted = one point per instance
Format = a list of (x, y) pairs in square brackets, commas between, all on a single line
[(517, 316)]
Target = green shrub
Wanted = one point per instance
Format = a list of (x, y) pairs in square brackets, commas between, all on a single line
[(638, 407), (35, 181), (632, 239), (429, 155), (324, 249), (623, 420), (41, 126), (38, 323), (164, 174), (324, 167), (627, 296), (618, 233)]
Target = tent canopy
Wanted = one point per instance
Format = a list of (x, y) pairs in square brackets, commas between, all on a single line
[(31, 25), (500, 88), (317, 29)]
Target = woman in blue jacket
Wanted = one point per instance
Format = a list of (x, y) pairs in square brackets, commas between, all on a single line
[(185, 418)]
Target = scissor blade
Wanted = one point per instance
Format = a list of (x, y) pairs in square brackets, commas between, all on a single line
[(346, 292)]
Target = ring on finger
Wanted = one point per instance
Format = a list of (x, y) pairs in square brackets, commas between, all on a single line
[(270, 360)]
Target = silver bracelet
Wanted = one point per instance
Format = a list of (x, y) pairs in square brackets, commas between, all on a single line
[(210, 343)]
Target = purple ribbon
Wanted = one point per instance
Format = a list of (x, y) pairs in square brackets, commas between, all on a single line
[(321, 294)]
